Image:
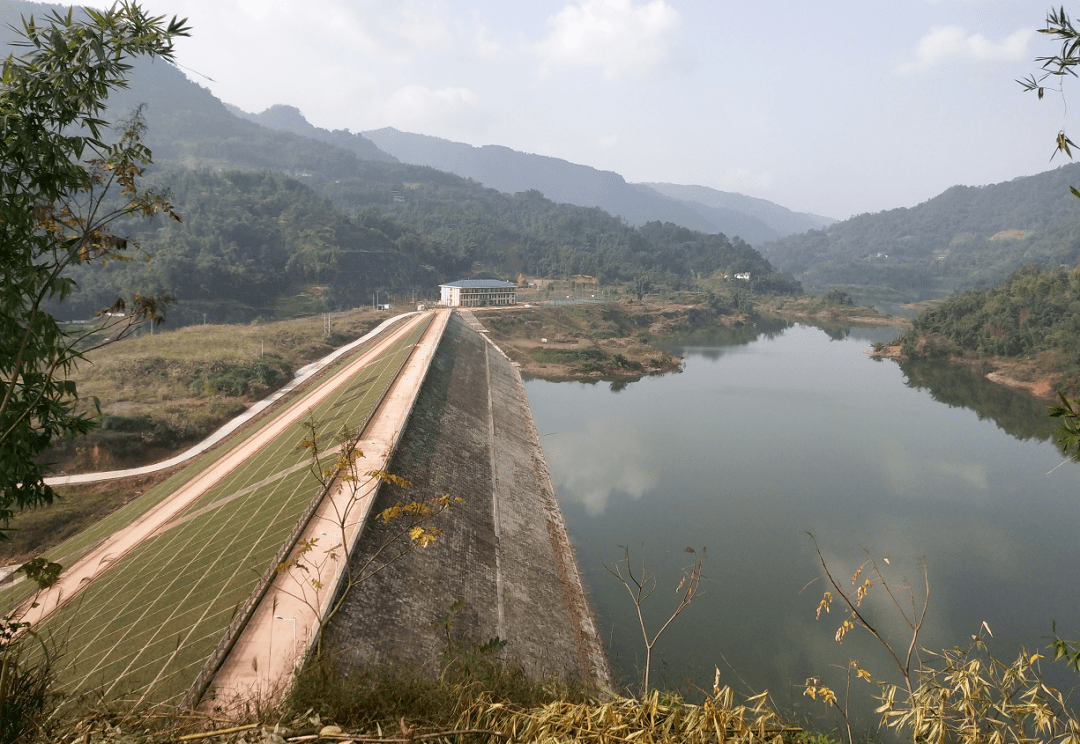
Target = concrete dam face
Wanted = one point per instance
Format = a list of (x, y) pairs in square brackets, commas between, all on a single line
[(503, 566)]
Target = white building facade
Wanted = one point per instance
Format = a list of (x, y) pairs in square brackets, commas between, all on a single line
[(478, 293)]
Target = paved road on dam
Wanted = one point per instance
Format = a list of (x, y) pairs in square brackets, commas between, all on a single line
[(289, 616), (147, 597)]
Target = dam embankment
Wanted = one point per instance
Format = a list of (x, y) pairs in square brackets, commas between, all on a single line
[(503, 558)]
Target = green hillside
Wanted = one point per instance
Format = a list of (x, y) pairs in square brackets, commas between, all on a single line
[(252, 240), (965, 237), (276, 223), (1033, 315)]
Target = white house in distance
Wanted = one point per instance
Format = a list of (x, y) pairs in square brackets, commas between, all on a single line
[(477, 293)]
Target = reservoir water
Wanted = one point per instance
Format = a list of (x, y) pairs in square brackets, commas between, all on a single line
[(772, 433)]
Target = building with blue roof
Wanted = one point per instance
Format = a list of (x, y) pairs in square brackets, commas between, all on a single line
[(478, 293)]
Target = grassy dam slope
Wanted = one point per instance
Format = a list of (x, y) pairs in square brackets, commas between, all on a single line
[(144, 626)]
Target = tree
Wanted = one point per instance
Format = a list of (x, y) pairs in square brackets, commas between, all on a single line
[(61, 187), (642, 586), (1061, 65), (412, 524), (1058, 66)]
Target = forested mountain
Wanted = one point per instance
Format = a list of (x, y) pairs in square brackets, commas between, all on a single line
[(251, 239), (964, 237), (1033, 311), (289, 119), (276, 222)]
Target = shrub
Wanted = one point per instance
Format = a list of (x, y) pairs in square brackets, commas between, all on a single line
[(568, 356), (267, 373), (371, 695)]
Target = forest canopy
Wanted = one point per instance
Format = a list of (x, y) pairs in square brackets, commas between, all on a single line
[(1034, 311), (249, 238)]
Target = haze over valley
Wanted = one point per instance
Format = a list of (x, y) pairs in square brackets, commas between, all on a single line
[(623, 262)]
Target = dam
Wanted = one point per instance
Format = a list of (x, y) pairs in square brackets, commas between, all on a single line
[(504, 556), (194, 593)]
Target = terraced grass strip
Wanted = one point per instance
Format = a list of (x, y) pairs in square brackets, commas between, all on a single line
[(75, 547), (147, 625)]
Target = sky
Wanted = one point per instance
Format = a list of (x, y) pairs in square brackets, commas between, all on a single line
[(835, 108)]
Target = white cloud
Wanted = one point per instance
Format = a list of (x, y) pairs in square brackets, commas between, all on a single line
[(450, 110), (617, 36), (479, 40), (952, 42), (419, 25), (743, 179)]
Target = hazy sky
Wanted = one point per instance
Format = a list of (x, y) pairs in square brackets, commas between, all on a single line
[(836, 108)]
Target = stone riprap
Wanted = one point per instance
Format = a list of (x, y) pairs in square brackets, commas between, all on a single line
[(504, 551)]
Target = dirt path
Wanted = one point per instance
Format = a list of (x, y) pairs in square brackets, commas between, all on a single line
[(287, 619), (302, 375), (80, 574)]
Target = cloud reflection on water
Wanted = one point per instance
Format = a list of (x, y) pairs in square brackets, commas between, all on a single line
[(599, 464), (912, 474)]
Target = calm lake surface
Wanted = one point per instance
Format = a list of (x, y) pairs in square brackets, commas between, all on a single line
[(770, 434)]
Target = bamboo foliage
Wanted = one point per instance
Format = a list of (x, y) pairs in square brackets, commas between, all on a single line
[(650, 720)]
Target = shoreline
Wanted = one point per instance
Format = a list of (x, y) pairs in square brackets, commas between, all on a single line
[(613, 341), (1042, 387)]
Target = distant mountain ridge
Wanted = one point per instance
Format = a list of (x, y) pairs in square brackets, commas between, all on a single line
[(289, 119), (512, 171), (779, 219)]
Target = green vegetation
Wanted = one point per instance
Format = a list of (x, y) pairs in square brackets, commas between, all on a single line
[(587, 360), (965, 237), (252, 243), (160, 392), (1034, 314), (125, 631), (56, 173)]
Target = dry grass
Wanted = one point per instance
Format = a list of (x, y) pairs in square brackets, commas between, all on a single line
[(583, 333), (140, 374), (159, 393)]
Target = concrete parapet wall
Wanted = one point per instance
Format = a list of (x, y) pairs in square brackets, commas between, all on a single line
[(504, 551)]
